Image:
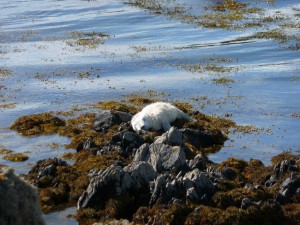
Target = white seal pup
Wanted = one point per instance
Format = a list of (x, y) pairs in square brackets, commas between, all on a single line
[(157, 116)]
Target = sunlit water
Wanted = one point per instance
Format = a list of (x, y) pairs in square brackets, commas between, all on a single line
[(35, 39)]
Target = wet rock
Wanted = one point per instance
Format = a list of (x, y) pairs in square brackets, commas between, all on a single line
[(19, 201), (172, 137), (104, 119), (166, 158)]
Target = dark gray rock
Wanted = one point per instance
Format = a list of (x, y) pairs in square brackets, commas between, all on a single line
[(114, 181), (158, 189), (172, 137), (192, 194), (281, 168), (47, 170), (165, 158), (104, 119), (142, 153), (200, 182), (289, 188), (126, 140), (229, 173), (246, 202), (19, 201), (198, 162), (106, 183), (194, 186), (201, 138), (141, 173)]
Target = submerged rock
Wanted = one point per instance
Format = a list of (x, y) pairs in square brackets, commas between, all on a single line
[(19, 201)]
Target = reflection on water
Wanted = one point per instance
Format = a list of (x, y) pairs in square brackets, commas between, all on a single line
[(50, 66)]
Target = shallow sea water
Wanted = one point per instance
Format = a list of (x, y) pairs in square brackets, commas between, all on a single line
[(50, 72)]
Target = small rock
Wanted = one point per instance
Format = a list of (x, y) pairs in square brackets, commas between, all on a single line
[(246, 202)]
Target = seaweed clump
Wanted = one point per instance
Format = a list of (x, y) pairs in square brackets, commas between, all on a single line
[(44, 123), (16, 157)]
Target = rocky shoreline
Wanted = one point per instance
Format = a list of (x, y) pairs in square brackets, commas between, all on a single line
[(119, 176)]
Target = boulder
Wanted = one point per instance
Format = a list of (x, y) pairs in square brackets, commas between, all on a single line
[(19, 201), (165, 158), (114, 181)]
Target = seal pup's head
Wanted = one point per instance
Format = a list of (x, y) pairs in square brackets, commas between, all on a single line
[(140, 122)]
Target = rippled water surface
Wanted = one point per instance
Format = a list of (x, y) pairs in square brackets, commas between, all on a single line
[(49, 70)]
